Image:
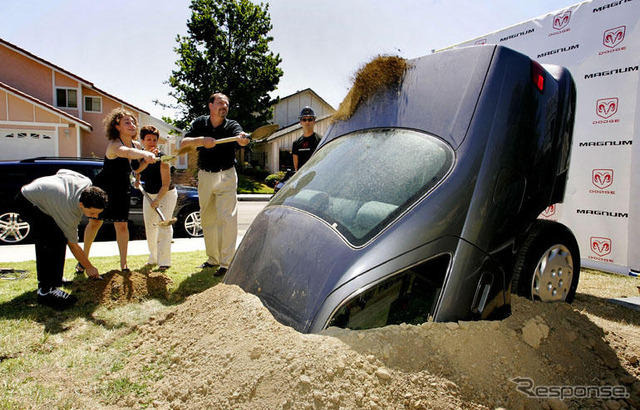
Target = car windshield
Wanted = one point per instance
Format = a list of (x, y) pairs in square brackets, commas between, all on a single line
[(360, 182)]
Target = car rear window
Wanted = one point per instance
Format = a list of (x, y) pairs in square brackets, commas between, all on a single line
[(359, 183)]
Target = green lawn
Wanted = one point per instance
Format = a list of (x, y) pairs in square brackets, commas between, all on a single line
[(248, 185), (48, 357)]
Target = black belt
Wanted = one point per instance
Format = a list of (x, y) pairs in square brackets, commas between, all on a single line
[(216, 169)]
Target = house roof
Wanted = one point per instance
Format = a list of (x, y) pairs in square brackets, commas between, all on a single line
[(46, 106), (86, 83), (304, 91)]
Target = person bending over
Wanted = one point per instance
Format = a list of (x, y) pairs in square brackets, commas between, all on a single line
[(54, 206)]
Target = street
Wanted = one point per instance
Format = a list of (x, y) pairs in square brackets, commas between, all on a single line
[(247, 211)]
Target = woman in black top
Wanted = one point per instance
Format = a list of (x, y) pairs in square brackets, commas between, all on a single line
[(161, 195), (114, 179)]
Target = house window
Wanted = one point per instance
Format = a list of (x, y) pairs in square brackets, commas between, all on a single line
[(33, 135), (67, 97), (93, 104)]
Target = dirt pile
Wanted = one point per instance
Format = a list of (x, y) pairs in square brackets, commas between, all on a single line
[(223, 349), (117, 287)]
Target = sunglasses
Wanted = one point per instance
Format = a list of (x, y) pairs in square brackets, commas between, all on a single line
[(307, 119)]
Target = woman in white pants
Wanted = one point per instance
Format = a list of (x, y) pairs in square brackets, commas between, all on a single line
[(161, 195)]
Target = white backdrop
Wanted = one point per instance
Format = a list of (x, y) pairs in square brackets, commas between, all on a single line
[(599, 42)]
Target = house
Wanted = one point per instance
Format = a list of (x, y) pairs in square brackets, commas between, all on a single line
[(47, 111), (274, 154)]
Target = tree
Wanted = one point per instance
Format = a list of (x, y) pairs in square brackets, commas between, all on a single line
[(226, 50)]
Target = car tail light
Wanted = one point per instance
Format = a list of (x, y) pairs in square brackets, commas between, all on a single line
[(537, 75)]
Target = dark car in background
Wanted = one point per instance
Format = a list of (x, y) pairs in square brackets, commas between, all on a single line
[(15, 230), (423, 202)]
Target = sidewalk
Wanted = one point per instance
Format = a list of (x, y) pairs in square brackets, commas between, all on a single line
[(21, 253), (254, 197)]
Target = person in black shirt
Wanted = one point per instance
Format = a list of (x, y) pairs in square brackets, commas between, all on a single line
[(161, 194), (114, 179), (217, 180), (305, 146)]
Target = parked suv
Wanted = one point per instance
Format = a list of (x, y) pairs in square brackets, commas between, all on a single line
[(15, 230)]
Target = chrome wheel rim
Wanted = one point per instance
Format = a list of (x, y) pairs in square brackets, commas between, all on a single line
[(553, 275), (13, 229), (192, 224)]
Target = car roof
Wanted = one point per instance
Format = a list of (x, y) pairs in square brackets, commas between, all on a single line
[(53, 160), (438, 94)]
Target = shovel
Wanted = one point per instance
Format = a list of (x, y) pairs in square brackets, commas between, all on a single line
[(163, 220), (259, 134), (167, 158)]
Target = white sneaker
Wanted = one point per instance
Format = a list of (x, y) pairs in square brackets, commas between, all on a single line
[(55, 298)]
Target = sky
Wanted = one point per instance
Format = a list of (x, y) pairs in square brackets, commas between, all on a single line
[(126, 47)]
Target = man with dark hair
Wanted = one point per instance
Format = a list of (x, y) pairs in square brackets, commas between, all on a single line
[(217, 180), (54, 206), (306, 145)]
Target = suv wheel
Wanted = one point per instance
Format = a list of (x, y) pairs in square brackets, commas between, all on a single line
[(548, 264), (13, 229), (189, 222)]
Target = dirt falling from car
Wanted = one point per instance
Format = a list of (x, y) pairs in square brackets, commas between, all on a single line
[(380, 73), (223, 349)]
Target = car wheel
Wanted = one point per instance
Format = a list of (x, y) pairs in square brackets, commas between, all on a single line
[(189, 222), (547, 265), (13, 229)]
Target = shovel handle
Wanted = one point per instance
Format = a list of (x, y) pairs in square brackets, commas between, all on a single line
[(259, 134), (158, 211), (228, 139)]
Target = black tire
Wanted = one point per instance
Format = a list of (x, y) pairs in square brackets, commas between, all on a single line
[(189, 223), (14, 229), (547, 266)]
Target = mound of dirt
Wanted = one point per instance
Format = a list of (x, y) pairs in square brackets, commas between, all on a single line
[(118, 288), (222, 349)]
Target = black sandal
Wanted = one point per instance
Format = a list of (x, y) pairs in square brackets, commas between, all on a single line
[(79, 269)]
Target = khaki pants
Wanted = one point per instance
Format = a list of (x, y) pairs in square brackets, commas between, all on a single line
[(159, 237), (219, 214)]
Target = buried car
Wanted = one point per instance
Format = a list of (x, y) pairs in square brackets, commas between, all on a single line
[(422, 198)]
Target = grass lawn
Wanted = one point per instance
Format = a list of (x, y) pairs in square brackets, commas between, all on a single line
[(248, 185), (51, 359)]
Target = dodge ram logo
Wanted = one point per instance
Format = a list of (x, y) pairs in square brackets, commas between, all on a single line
[(561, 20), (550, 211), (600, 246), (613, 36), (606, 107), (602, 178)]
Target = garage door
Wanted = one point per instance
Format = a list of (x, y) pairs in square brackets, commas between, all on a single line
[(20, 144)]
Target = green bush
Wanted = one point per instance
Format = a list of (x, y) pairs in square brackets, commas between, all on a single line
[(273, 179)]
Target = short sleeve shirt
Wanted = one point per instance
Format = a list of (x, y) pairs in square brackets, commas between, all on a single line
[(221, 156), (59, 197), (304, 147)]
